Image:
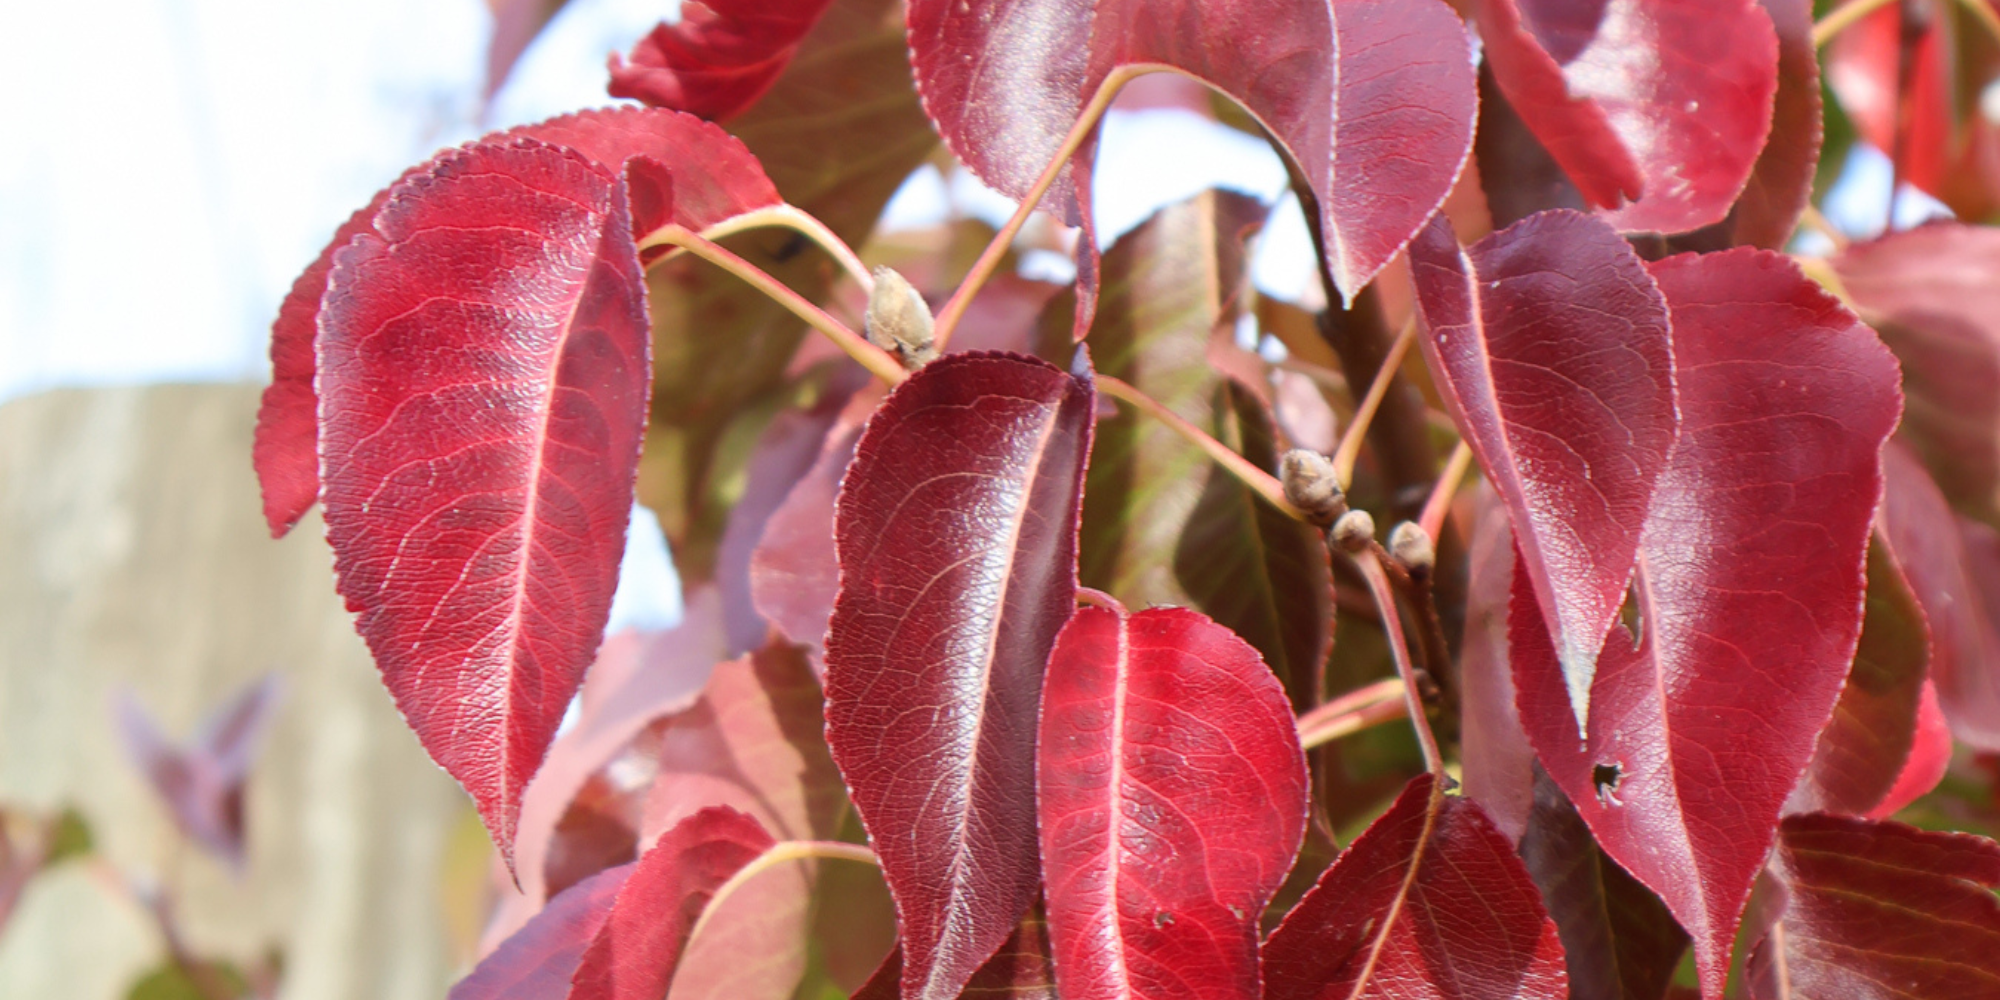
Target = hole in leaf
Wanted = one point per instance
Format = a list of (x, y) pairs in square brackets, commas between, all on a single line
[(1162, 919), (1606, 777), (1629, 615)]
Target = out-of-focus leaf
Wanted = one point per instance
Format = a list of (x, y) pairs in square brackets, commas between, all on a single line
[(719, 58), (1619, 942), (752, 742), (1172, 797), (1551, 346), (1930, 756), (839, 132), (1877, 910), (712, 179), (198, 980), (1389, 919), (1954, 570), (1862, 752), (515, 25), (539, 959), (635, 953), (794, 576), (639, 677), (1934, 293), (1702, 723), (1498, 765), (1020, 970), (201, 784), (956, 536), (1657, 109), (1374, 100)]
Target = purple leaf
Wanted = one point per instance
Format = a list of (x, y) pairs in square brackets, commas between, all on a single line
[(539, 959), (202, 784)]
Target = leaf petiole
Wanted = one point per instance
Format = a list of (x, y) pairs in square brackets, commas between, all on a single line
[(873, 358), (787, 216), (1432, 519), (1263, 483), (1352, 712), (1370, 564), (1842, 18)]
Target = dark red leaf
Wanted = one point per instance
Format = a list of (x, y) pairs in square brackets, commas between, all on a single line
[(1781, 183), (1379, 131), (1862, 752), (1657, 109), (483, 366), (1619, 942), (1173, 799), (1020, 970), (202, 784), (1953, 567), (719, 58), (539, 959), (1881, 911), (1749, 586), (1934, 293), (956, 534), (716, 179), (1551, 346), (1391, 918), (634, 956), (1498, 765)]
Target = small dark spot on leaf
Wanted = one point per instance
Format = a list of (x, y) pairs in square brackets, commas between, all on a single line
[(1606, 777), (1162, 918)]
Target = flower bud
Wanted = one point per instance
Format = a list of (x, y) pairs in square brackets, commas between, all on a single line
[(1354, 531), (1411, 547), (1310, 485), (899, 321)]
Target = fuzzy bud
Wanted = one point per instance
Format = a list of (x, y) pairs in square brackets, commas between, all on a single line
[(1411, 547), (899, 321), (1310, 485), (1354, 531)]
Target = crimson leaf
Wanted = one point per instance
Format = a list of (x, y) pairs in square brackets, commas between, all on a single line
[(1875, 911), (1173, 798), (719, 58), (1551, 346), (1701, 725), (1018, 971), (539, 959), (483, 371), (1372, 99), (1390, 919), (636, 952), (716, 179), (1662, 104), (956, 533), (1949, 567)]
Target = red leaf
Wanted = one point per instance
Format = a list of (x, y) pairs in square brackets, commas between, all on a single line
[(1862, 752), (1930, 755), (719, 59), (1934, 293), (1876, 911), (1020, 970), (1662, 104), (515, 25), (717, 179), (1750, 588), (1173, 800), (539, 959), (956, 533), (794, 576), (202, 784), (1390, 919), (1379, 131), (1498, 764), (1953, 567), (1551, 346), (483, 363), (634, 956), (1781, 183)]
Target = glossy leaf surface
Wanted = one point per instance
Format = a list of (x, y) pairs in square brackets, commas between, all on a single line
[(483, 370), (1172, 793), (1551, 345), (1785, 401), (539, 959), (713, 178), (1389, 919), (1657, 109), (956, 534), (1619, 942), (719, 58), (636, 952), (1379, 130), (1878, 910)]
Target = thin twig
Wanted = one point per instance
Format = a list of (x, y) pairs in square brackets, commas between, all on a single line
[(1432, 520), (1262, 483), (1349, 450), (873, 358), (1352, 712), (996, 250), (787, 216), (1371, 565)]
